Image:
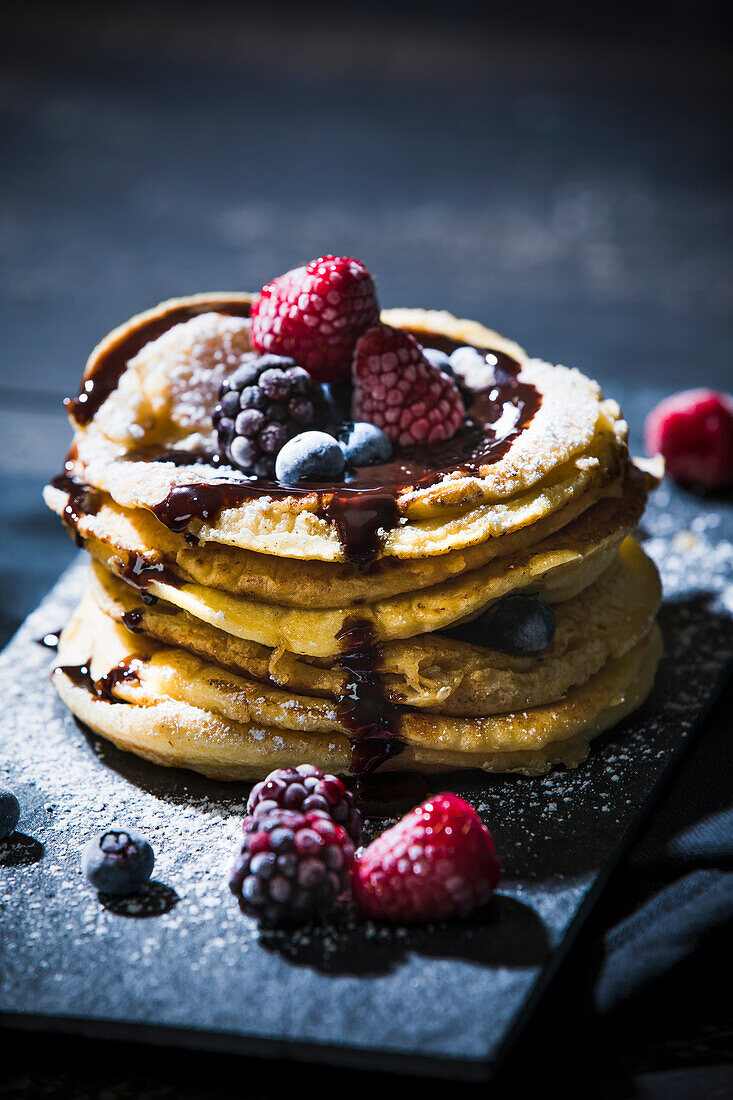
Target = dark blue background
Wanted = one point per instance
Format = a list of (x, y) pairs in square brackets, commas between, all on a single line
[(565, 179)]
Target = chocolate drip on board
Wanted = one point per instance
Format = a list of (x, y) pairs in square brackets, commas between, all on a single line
[(384, 795)]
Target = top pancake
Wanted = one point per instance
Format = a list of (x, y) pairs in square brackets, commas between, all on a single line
[(574, 441)]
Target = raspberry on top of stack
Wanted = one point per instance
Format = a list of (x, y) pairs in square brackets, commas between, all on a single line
[(368, 539)]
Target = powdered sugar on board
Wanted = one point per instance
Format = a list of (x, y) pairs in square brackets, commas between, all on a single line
[(183, 956)]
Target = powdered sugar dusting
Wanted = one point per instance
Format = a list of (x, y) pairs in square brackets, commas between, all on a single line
[(169, 389), (189, 964)]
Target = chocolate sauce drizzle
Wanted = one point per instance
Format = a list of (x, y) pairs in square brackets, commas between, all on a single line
[(81, 676), (363, 706), (364, 507), (82, 500), (139, 572), (132, 619), (111, 365)]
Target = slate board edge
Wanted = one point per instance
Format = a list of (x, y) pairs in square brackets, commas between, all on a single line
[(630, 835), (343, 1057)]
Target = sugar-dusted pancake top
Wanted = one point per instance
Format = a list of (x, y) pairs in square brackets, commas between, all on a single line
[(536, 437)]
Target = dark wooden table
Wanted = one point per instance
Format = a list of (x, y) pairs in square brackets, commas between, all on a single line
[(574, 192)]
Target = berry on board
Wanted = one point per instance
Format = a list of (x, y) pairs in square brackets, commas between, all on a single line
[(292, 867), (316, 314), (9, 812), (306, 788), (437, 862), (693, 431), (399, 390), (118, 861)]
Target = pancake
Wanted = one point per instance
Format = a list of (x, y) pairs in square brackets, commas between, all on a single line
[(572, 438), (297, 583), (298, 527), (439, 673), (176, 734), (555, 568), (233, 624), (436, 672)]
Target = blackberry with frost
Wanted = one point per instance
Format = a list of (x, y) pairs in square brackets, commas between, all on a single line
[(292, 868), (264, 403), (306, 788)]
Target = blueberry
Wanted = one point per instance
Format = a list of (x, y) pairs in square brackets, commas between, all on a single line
[(313, 455), (439, 359), (364, 444), (519, 625), (118, 861), (9, 812)]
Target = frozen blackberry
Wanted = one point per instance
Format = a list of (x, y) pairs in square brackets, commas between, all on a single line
[(264, 403), (292, 868), (306, 788)]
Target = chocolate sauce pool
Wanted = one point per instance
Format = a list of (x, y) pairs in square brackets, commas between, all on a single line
[(364, 507)]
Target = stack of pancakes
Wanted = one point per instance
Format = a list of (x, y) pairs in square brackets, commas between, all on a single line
[(233, 626)]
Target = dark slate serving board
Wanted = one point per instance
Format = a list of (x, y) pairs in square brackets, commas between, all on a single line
[(183, 966)]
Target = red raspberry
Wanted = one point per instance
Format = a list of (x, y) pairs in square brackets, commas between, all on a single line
[(437, 862), (396, 388), (316, 314), (693, 430)]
